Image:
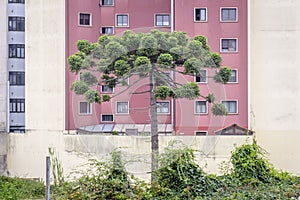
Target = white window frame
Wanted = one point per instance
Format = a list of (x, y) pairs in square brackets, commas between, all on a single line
[(162, 14), (195, 108), (113, 30), (236, 77), (104, 5), (107, 92), (237, 106), (201, 131), (122, 113), (116, 18), (206, 78), (108, 121), (236, 44), (163, 113), (90, 108), (85, 13), (204, 8), (236, 14)]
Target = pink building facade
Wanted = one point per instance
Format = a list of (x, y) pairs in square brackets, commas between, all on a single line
[(224, 23)]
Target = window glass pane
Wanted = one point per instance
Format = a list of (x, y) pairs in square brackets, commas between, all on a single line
[(122, 20), (228, 14), (107, 89), (228, 45), (107, 2), (162, 107), (233, 77), (231, 106), (85, 108), (84, 19), (162, 20), (122, 107), (200, 14), (107, 118), (201, 107)]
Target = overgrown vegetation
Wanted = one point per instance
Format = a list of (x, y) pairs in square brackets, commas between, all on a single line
[(17, 188), (249, 175)]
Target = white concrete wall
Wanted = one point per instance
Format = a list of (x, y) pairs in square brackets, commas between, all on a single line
[(45, 64), (3, 64), (27, 152), (275, 82)]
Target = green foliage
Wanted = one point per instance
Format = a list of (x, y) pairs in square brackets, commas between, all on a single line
[(114, 50), (162, 92), (107, 180), (203, 41), (92, 96), (210, 98), (88, 78), (217, 59), (85, 46), (75, 62), (192, 66), (17, 188), (79, 87), (188, 90), (250, 165), (56, 167), (165, 61), (106, 98), (195, 49), (147, 55), (223, 75), (219, 109), (181, 37), (178, 177), (121, 67), (142, 65)]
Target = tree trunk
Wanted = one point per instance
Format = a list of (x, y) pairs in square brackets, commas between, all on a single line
[(154, 126)]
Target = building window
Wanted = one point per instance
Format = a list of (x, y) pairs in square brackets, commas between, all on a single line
[(233, 77), (17, 129), (201, 133), (17, 105), (107, 118), (228, 45), (85, 19), (122, 20), (201, 107), (16, 23), (231, 106), (200, 15), (122, 108), (228, 14), (107, 2), (107, 89), (16, 78), (85, 108), (16, 51), (163, 107), (162, 20), (202, 77), (107, 30), (16, 1)]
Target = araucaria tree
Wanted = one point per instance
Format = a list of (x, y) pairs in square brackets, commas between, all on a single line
[(113, 59)]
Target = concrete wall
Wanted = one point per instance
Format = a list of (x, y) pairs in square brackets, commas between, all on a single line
[(45, 64), (275, 83), (3, 154), (27, 152), (3, 64)]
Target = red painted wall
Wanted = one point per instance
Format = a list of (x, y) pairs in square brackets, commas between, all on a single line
[(141, 18)]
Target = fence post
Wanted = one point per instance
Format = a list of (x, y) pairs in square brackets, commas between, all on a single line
[(47, 177)]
